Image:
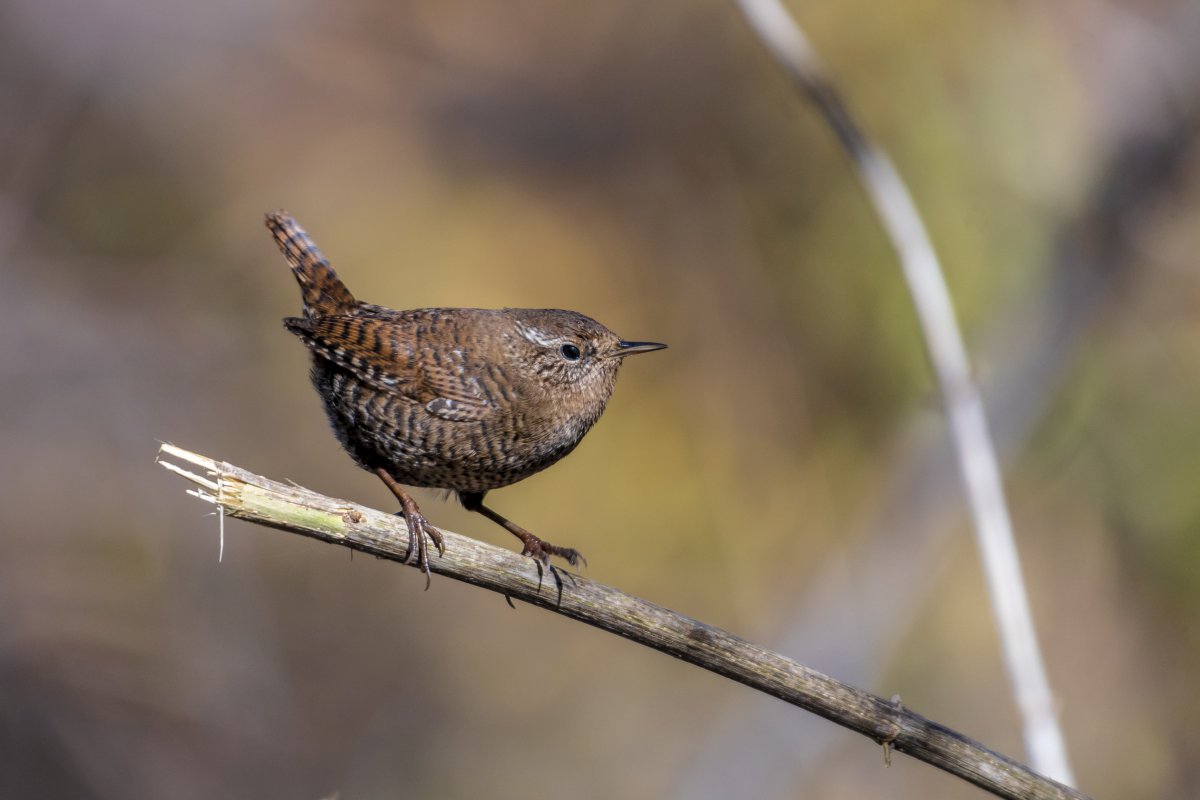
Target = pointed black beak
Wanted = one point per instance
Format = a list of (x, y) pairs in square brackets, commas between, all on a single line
[(629, 348)]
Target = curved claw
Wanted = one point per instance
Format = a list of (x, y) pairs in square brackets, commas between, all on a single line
[(540, 550), (420, 532), (570, 555)]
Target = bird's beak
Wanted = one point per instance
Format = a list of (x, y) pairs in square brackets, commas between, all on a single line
[(629, 348)]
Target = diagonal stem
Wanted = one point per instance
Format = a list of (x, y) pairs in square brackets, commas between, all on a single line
[(976, 453)]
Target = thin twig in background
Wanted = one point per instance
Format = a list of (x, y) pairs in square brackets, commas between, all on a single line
[(251, 497), (978, 464)]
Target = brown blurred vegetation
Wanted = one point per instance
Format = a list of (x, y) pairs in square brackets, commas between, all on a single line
[(781, 471)]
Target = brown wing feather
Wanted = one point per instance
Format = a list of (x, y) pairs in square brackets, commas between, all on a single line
[(373, 349)]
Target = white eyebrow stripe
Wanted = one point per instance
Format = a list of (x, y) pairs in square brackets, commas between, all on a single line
[(537, 336)]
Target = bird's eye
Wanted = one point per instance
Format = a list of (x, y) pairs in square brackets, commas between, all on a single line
[(570, 352)]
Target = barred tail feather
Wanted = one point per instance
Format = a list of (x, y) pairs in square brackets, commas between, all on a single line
[(321, 289)]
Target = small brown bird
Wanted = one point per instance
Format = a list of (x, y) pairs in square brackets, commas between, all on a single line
[(464, 399)]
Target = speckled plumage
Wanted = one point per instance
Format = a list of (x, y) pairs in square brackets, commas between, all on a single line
[(465, 399), (446, 397)]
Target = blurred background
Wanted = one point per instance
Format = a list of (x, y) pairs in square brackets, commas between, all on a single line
[(781, 471)]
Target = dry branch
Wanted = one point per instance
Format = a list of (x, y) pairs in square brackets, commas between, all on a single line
[(251, 497), (978, 463)]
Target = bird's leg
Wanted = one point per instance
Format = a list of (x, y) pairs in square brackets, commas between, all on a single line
[(419, 529), (535, 548)]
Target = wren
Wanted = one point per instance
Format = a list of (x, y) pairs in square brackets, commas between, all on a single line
[(463, 399)]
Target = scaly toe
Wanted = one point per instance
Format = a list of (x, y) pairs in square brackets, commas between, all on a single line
[(537, 552)]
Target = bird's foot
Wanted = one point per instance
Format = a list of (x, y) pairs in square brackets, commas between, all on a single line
[(541, 551), (420, 533), (537, 549)]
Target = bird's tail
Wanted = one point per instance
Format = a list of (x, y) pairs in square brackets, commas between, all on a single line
[(322, 290)]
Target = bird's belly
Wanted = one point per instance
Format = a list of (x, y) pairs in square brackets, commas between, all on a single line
[(383, 429)]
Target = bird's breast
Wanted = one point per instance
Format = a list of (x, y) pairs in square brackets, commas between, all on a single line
[(516, 438)]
